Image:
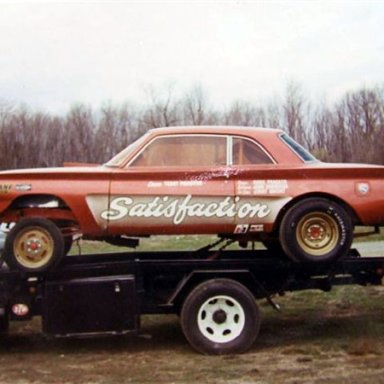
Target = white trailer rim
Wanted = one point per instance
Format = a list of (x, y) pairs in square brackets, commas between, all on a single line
[(221, 319)]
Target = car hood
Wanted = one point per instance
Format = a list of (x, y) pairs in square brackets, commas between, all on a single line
[(63, 170), (49, 172)]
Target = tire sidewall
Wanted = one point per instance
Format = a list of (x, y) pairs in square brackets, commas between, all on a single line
[(288, 230), (211, 289)]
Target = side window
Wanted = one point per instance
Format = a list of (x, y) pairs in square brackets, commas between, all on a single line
[(247, 152), (178, 151)]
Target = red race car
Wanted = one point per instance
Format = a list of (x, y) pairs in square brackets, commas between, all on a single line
[(242, 183)]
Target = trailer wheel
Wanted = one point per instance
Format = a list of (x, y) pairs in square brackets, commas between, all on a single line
[(220, 316), (316, 229), (34, 245)]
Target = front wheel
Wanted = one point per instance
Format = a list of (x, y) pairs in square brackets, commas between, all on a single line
[(34, 244), (220, 316), (316, 229)]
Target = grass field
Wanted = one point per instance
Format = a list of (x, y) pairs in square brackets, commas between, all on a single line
[(334, 337), (190, 242)]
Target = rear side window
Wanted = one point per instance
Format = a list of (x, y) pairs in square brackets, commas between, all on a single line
[(247, 152)]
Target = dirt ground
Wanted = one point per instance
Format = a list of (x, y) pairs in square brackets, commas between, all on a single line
[(318, 338)]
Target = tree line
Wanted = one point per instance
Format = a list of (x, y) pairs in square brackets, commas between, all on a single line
[(349, 130)]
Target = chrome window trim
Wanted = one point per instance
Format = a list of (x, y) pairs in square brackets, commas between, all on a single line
[(229, 151), (314, 160), (122, 163), (229, 144)]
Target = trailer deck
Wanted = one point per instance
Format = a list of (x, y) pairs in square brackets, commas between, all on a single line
[(214, 292)]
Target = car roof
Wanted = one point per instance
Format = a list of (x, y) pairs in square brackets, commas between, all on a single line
[(216, 129)]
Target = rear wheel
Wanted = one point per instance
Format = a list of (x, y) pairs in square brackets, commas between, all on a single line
[(316, 229), (34, 245), (220, 316)]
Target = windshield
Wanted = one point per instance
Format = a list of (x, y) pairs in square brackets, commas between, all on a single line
[(297, 148), (122, 156)]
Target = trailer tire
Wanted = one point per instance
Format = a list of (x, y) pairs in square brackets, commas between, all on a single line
[(316, 230), (220, 316), (34, 244)]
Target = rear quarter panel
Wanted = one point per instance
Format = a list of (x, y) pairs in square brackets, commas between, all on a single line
[(359, 187)]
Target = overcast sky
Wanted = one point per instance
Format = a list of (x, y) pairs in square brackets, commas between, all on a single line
[(54, 54)]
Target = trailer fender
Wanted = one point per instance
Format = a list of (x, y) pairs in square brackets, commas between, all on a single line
[(196, 277)]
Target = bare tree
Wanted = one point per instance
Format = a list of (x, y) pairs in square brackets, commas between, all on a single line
[(294, 113), (245, 114), (162, 111), (350, 130), (320, 133), (116, 129), (80, 130), (195, 107)]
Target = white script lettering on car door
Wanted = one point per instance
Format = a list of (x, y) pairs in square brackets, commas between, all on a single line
[(178, 209)]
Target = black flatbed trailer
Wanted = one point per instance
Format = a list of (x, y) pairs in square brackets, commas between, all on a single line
[(214, 292)]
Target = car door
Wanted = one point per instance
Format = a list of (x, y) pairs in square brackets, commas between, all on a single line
[(177, 184)]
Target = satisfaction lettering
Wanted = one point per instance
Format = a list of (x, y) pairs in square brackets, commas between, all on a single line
[(178, 209)]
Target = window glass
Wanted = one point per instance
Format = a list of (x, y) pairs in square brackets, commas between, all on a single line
[(179, 151), (122, 156), (297, 148), (247, 152)]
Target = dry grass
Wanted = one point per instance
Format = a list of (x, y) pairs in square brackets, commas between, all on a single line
[(334, 337)]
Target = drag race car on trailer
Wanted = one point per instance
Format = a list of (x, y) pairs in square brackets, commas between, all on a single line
[(241, 183)]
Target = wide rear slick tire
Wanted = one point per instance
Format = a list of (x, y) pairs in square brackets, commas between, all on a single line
[(316, 230), (34, 244), (220, 316)]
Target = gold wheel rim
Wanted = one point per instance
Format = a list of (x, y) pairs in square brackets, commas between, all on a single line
[(317, 233), (33, 247)]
